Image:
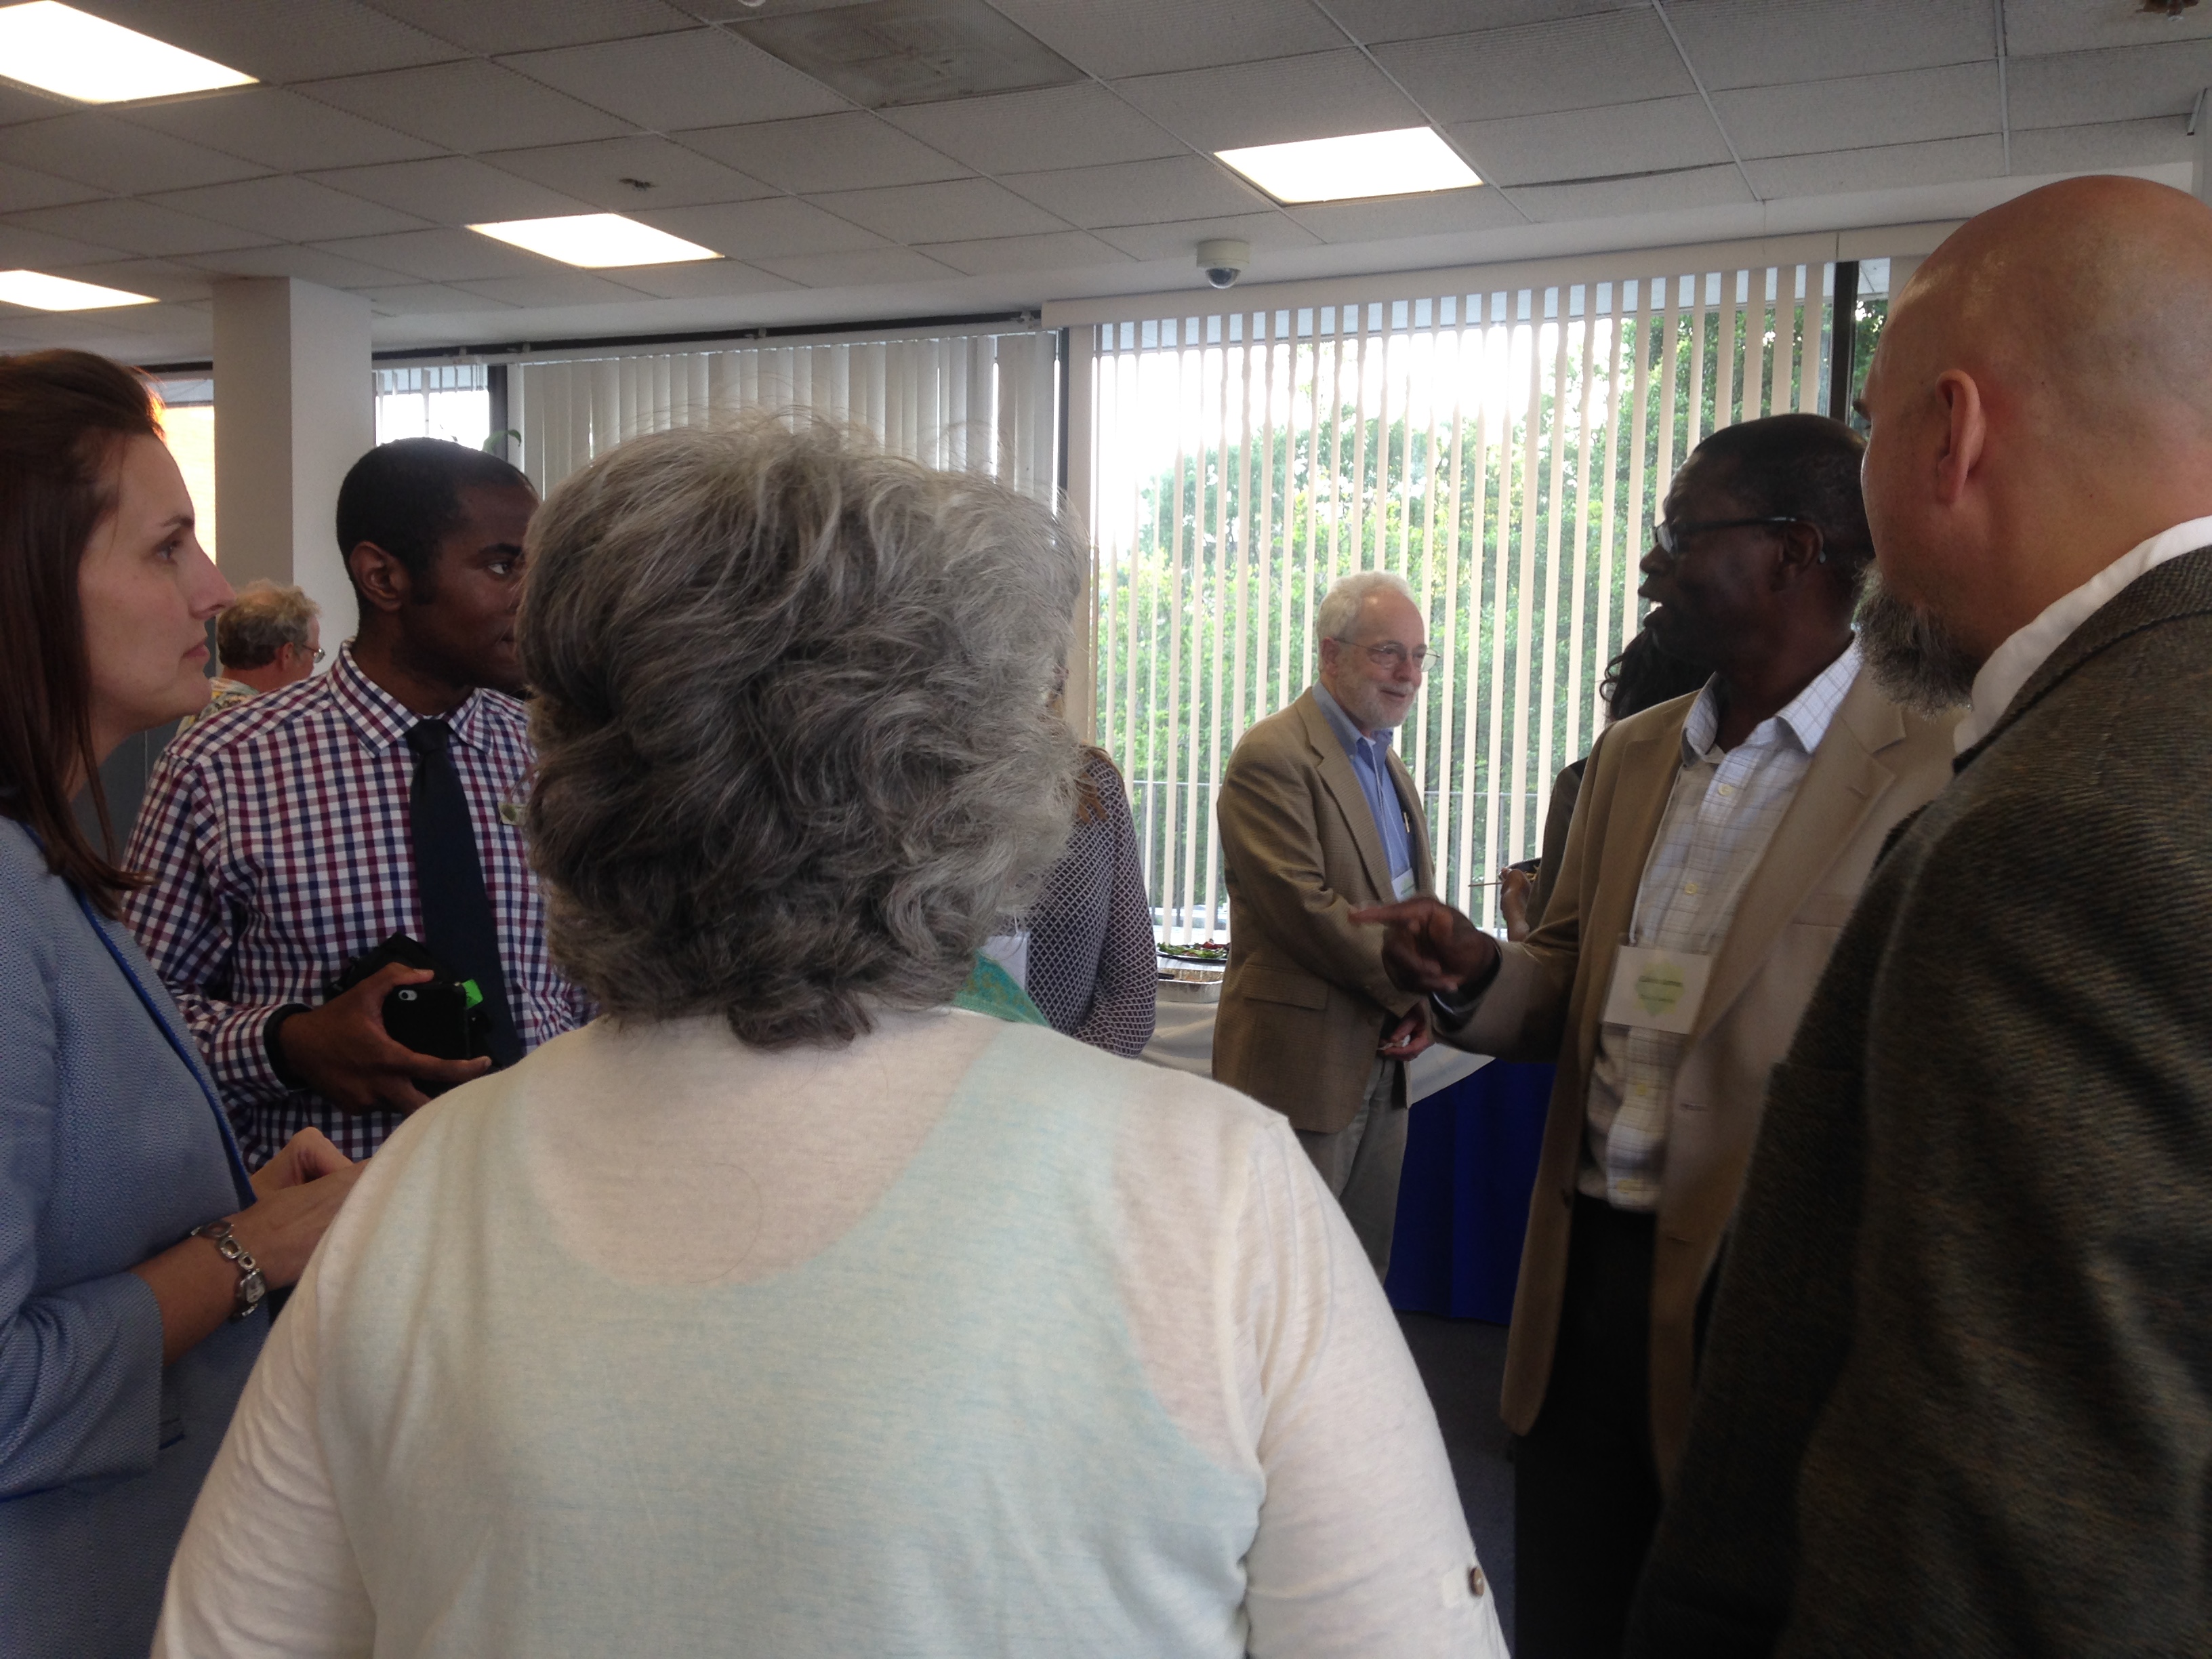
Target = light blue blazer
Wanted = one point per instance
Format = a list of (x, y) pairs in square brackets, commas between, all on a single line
[(112, 1148)]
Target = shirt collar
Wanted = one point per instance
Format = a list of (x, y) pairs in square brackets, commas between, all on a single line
[(379, 719), (1806, 716), (2013, 664), (1347, 734)]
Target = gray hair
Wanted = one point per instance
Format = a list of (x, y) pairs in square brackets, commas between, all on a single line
[(262, 621), (1339, 606), (794, 759)]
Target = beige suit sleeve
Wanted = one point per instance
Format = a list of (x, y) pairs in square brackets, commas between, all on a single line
[(1523, 1014), (1272, 842)]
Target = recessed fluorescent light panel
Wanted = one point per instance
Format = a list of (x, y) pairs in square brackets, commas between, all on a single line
[(1407, 162), (597, 241), (43, 293), (58, 48)]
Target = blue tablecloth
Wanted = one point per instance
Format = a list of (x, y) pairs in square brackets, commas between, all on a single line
[(1471, 1152)]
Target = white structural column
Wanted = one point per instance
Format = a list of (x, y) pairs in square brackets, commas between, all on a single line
[(296, 408)]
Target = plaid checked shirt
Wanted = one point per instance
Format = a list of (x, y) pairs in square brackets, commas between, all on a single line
[(1722, 814), (276, 837)]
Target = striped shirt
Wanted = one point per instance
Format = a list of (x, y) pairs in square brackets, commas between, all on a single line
[(277, 840), (1724, 811)]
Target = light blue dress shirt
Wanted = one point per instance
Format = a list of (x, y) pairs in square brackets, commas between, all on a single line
[(1374, 774)]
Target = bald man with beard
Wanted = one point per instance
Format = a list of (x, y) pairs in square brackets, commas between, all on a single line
[(1957, 1396)]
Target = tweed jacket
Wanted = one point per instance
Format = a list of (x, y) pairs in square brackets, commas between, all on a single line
[(112, 1149), (1877, 763), (1957, 1397), (1305, 999)]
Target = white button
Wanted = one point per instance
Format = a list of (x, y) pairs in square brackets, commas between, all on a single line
[(1690, 888), (1728, 789)]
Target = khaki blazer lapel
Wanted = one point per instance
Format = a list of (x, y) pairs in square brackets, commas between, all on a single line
[(1842, 785), (1343, 785), (1635, 808)]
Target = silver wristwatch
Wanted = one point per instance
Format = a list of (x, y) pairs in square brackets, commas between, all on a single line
[(252, 1287)]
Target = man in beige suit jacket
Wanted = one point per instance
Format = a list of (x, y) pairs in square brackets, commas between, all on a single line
[(1720, 838), (1318, 816)]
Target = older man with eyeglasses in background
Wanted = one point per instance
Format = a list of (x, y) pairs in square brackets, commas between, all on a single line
[(1719, 842), (269, 637), (1318, 817)]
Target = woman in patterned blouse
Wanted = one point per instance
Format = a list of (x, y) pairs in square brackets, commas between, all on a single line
[(1092, 964)]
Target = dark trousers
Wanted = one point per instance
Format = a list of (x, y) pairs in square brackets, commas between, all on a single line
[(1586, 1490)]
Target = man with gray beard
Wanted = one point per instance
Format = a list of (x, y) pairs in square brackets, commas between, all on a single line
[(1957, 1395)]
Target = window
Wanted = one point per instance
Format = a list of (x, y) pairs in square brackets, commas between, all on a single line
[(188, 425), (1500, 444), (439, 400), (981, 399)]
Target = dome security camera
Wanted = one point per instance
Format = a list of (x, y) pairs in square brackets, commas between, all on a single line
[(1223, 260)]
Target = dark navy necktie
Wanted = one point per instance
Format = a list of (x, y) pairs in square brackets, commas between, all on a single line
[(458, 924)]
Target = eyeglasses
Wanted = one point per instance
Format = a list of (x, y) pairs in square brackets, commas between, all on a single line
[(1393, 655), (1669, 537)]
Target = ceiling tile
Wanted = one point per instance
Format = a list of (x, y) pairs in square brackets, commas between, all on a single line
[(868, 267), (309, 264), (29, 104), (136, 228), (2077, 87), (1581, 62), (1659, 135), (427, 298), (452, 189), (438, 256), (1663, 192), (1376, 22), (290, 210), (1132, 192), (854, 151), (282, 39), (2091, 149), (1440, 214), (279, 129), (878, 53), (1112, 38), (1888, 167), (553, 288), (469, 105), (1064, 250), (1023, 132), (1321, 96), (114, 156), (23, 187), (41, 250), (1861, 113), (165, 279), (703, 279), (777, 225), (601, 174), (1265, 231), (494, 29), (2039, 25), (961, 209), (704, 78), (1757, 43)]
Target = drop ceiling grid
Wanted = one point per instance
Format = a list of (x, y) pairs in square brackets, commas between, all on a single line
[(385, 125)]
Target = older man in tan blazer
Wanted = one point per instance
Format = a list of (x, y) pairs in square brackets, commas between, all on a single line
[(1318, 816), (1718, 844)]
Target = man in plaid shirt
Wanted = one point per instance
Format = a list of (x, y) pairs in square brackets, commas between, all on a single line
[(278, 835)]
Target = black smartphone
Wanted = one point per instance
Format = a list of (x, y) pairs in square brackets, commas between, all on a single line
[(431, 1018)]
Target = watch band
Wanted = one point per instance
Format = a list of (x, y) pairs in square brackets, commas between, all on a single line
[(251, 1287)]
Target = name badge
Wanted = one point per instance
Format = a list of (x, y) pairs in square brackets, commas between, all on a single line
[(1656, 990), (1401, 885)]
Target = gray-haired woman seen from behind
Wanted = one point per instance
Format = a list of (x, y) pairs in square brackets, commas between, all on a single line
[(786, 1310)]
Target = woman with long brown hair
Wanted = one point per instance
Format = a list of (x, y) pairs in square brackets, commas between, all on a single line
[(134, 1247)]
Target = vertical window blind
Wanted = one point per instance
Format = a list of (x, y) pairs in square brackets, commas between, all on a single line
[(983, 401), (1502, 447)]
